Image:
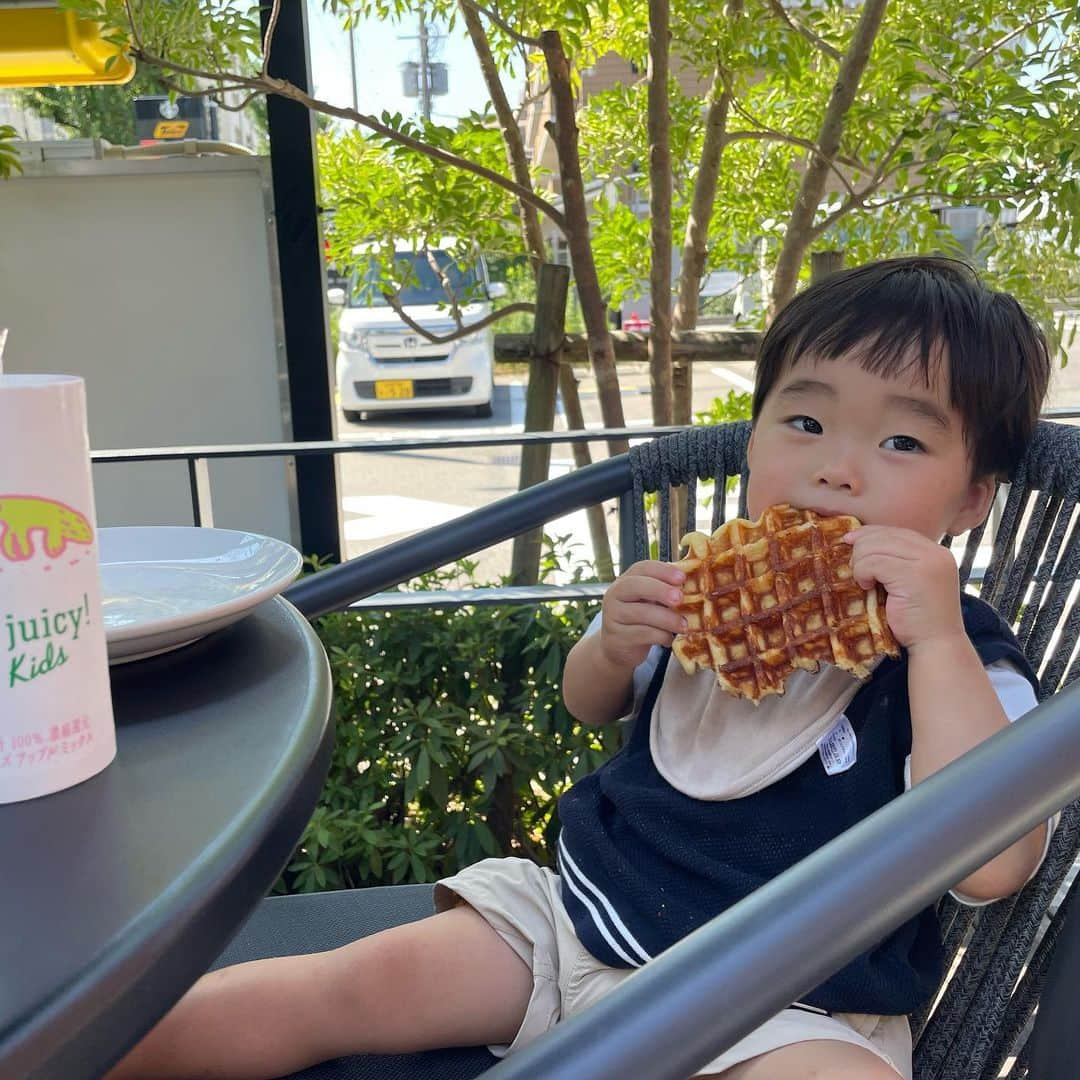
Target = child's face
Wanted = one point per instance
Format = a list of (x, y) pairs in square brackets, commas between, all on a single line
[(837, 439)]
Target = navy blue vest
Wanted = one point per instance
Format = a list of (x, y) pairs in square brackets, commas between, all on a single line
[(643, 865)]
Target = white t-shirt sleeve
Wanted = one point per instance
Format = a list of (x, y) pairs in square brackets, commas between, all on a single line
[(1017, 698), (643, 673)]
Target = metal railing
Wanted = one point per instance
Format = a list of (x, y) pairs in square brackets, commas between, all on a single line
[(197, 458)]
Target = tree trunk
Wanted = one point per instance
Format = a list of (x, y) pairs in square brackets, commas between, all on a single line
[(511, 133), (799, 230), (548, 333), (542, 388), (575, 420), (660, 184), (695, 241), (593, 309)]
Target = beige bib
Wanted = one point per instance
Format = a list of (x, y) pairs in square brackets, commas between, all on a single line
[(710, 745)]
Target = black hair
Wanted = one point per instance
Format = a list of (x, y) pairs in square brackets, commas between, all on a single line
[(913, 311)]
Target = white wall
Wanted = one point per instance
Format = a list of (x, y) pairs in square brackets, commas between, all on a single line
[(157, 282)]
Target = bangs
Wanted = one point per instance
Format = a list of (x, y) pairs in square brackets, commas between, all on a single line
[(900, 328), (919, 317)]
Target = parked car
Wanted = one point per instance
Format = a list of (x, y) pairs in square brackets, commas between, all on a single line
[(382, 363)]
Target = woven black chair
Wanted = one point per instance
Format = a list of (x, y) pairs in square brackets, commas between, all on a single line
[(1004, 949)]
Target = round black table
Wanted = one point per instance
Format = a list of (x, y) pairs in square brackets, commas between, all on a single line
[(119, 893)]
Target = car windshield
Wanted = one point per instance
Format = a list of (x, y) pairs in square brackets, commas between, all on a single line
[(423, 285)]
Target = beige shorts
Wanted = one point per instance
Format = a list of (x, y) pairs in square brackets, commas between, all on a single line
[(522, 902)]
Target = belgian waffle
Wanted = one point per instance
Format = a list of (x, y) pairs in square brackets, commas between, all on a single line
[(764, 598)]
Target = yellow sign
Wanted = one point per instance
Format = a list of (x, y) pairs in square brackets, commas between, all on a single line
[(43, 45), (171, 129), (397, 389)]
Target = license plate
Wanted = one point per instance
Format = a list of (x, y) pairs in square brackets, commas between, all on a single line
[(393, 389)]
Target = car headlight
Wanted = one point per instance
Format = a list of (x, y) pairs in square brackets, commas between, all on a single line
[(356, 339)]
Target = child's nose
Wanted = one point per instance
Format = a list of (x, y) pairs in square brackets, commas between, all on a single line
[(840, 472)]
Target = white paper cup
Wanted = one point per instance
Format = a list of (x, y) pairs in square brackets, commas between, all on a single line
[(56, 722)]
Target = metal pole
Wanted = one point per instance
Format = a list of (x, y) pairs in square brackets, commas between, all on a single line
[(302, 271), (352, 67), (425, 69)]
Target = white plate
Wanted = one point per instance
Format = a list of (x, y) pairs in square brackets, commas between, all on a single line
[(166, 586)]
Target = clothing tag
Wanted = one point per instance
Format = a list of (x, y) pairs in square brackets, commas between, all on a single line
[(838, 746)]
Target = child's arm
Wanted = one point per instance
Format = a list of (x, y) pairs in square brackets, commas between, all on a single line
[(637, 614), (953, 704)]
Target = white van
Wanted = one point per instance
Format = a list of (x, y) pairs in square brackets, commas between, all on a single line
[(384, 364)]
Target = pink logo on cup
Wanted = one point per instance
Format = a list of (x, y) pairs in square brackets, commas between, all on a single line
[(57, 523)]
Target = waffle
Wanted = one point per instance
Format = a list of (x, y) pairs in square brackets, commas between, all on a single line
[(765, 598)]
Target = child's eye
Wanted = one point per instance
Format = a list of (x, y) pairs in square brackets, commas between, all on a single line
[(805, 423), (904, 443)]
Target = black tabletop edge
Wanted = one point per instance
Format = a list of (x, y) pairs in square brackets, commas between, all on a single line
[(89, 1025)]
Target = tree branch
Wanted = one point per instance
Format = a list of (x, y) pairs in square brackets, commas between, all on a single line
[(771, 135), (243, 104), (444, 280), (503, 25), (268, 39), (784, 15), (1004, 40), (906, 196), (463, 331), (267, 85), (858, 198), (209, 91), (800, 224), (696, 236), (593, 308), (795, 140), (531, 99), (135, 35), (660, 193), (511, 133)]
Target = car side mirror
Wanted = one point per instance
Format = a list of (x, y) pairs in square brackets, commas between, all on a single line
[(336, 297), (496, 290)]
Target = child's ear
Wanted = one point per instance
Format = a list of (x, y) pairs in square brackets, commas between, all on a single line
[(976, 506)]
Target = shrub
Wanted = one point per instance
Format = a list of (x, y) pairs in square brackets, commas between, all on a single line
[(452, 741)]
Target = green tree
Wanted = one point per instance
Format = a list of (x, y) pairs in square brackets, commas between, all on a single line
[(825, 125), (9, 160), (381, 192), (92, 112)]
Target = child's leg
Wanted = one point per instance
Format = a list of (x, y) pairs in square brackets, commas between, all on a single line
[(448, 980), (821, 1059)]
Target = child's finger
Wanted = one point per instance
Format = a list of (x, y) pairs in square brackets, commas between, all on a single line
[(647, 614), (663, 571), (891, 542), (878, 568), (638, 588)]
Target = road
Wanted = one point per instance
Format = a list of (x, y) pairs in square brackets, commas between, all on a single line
[(386, 497)]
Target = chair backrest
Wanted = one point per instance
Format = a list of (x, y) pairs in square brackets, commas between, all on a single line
[(1025, 561)]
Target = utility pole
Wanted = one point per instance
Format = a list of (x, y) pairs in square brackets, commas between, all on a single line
[(425, 70), (352, 66)]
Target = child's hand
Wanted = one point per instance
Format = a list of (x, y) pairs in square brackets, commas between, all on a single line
[(638, 612), (920, 577)]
